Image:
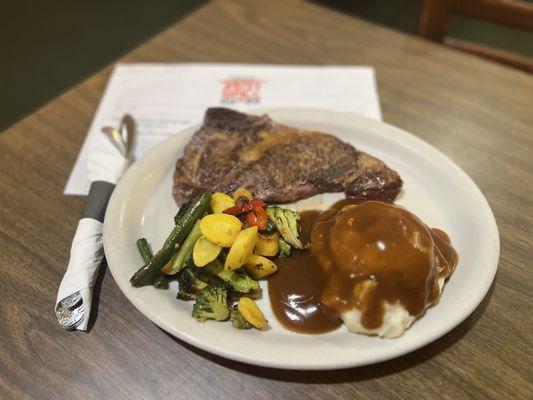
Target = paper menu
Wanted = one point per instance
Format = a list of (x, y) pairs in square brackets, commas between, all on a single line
[(166, 98)]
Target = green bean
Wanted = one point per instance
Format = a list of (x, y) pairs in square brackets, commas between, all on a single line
[(181, 212), (147, 273), (144, 249), (161, 280), (185, 251)]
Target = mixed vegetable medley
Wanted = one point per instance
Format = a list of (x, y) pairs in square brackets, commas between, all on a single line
[(218, 249)]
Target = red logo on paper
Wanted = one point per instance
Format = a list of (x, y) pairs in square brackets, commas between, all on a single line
[(241, 90)]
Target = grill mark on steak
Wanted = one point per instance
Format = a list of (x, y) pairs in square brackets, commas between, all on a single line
[(277, 163)]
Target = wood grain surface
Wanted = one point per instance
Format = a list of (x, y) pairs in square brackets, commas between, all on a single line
[(478, 113)]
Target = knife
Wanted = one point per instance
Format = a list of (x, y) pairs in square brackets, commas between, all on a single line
[(107, 161)]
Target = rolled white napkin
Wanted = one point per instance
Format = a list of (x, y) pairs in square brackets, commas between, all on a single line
[(86, 254), (106, 165)]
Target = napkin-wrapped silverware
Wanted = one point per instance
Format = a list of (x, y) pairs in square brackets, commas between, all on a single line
[(108, 159)]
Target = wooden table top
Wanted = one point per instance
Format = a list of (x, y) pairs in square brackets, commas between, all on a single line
[(478, 113)]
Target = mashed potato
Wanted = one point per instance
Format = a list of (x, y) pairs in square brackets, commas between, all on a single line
[(396, 319)]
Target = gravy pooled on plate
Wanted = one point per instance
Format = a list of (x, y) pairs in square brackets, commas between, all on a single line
[(365, 261), (296, 288)]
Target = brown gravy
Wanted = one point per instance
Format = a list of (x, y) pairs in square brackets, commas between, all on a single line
[(296, 288), (362, 255)]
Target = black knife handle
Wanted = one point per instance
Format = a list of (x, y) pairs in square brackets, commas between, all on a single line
[(97, 200)]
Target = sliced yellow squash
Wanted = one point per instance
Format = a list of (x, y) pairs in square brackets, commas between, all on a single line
[(204, 252), (251, 313), (242, 192), (267, 244), (241, 249), (220, 202), (220, 229), (259, 266)]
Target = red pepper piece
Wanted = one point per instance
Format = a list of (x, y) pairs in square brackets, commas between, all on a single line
[(258, 203), (261, 217), (251, 219), (239, 208)]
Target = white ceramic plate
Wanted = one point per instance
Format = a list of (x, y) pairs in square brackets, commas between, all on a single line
[(435, 189)]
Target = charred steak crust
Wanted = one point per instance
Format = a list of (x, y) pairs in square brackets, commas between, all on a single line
[(275, 162)]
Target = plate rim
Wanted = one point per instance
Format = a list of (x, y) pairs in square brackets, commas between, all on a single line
[(409, 139)]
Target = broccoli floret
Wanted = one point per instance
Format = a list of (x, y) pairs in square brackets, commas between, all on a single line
[(237, 320), (211, 303), (271, 226), (284, 248), (189, 283), (239, 280), (287, 224), (214, 280)]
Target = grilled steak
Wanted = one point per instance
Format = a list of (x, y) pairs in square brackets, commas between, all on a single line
[(275, 162)]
